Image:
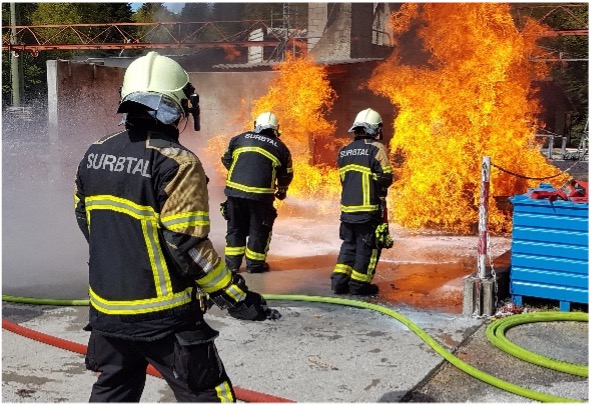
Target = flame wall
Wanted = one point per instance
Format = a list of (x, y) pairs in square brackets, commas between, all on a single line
[(465, 95)]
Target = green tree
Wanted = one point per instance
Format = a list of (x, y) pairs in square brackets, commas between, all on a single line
[(571, 75), (198, 13), (35, 68), (153, 13)]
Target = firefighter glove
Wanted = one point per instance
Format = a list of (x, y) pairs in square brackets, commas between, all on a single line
[(224, 210), (254, 308), (383, 238), (281, 193)]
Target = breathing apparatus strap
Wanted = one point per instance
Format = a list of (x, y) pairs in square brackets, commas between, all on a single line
[(192, 105)]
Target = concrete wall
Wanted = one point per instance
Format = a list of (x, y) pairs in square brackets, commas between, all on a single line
[(226, 100), (335, 42), (347, 31), (346, 80), (317, 21), (83, 100)]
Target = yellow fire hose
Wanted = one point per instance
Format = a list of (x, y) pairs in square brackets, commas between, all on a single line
[(495, 333)]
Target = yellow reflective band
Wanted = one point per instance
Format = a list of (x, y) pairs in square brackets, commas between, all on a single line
[(183, 220), (269, 155), (158, 264), (76, 200), (236, 293), (343, 268), (373, 262), (365, 190), (249, 189), (360, 277), (224, 392), (217, 279), (234, 251), (355, 168), (387, 169), (255, 255), (127, 307), (149, 221), (353, 209), (118, 204)]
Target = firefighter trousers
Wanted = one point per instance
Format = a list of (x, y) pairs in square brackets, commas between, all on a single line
[(248, 234), (358, 257), (187, 360)]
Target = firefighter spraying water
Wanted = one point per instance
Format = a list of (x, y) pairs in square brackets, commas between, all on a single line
[(366, 175), (259, 171)]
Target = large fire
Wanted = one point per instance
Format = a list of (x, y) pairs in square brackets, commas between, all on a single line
[(301, 97), (467, 94), (471, 98)]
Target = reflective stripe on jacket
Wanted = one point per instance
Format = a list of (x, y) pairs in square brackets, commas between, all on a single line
[(141, 201), (366, 173), (257, 164)]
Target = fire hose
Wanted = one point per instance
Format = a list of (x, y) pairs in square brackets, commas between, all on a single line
[(495, 333)]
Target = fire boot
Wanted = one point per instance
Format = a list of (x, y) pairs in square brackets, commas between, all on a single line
[(363, 289), (264, 267), (339, 283)]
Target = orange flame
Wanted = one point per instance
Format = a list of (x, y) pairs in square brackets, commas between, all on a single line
[(232, 52), (471, 98), (300, 96)]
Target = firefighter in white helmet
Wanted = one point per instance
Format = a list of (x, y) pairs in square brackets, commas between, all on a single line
[(141, 201), (259, 170), (366, 175)]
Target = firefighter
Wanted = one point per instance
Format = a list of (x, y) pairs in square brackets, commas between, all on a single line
[(259, 170), (366, 175), (141, 201)]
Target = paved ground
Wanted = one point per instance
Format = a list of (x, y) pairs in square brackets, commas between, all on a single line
[(322, 352), (318, 352)]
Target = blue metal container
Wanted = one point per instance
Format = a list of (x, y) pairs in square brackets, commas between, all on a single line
[(549, 249)]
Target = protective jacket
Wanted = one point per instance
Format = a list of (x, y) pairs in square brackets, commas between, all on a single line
[(366, 174), (141, 201), (257, 164)]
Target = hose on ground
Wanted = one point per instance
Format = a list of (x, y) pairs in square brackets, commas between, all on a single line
[(496, 334), (448, 356), (243, 394)]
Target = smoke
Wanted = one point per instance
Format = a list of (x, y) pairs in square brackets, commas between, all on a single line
[(44, 252)]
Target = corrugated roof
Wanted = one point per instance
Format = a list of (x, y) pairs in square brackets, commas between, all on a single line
[(272, 64)]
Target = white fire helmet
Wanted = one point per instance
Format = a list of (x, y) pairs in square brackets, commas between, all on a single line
[(159, 83), (266, 121), (369, 120)]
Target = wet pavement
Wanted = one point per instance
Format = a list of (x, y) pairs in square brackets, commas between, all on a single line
[(321, 352)]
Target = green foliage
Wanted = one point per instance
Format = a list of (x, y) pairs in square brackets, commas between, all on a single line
[(571, 76), (153, 13), (196, 12), (35, 68)]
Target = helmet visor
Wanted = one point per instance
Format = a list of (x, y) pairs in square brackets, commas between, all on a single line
[(372, 129), (160, 107)]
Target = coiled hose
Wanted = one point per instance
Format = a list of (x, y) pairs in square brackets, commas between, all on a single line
[(496, 332)]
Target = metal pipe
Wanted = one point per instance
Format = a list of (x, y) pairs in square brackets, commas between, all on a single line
[(14, 62), (483, 216)]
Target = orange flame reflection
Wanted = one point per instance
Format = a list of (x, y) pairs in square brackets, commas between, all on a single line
[(472, 98)]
